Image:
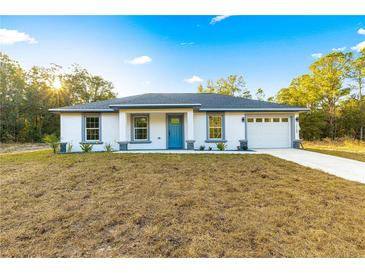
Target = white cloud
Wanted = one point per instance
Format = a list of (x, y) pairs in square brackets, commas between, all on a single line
[(9, 37), (218, 19), (339, 49), (317, 55), (359, 46), (361, 31), (140, 60), (187, 43), (194, 79)]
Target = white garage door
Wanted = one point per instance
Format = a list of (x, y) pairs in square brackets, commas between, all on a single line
[(268, 132)]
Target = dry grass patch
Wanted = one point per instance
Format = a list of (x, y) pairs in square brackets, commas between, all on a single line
[(345, 147), (344, 154), (164, 205), (22, 147)]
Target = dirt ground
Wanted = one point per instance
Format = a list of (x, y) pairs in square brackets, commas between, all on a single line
[(17, 147), (159, 205)]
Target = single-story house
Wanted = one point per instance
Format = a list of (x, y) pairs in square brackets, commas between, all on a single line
[(180, 121)]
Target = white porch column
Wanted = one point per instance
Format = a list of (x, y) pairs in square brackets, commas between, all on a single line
[(190, 128), (123, 139)]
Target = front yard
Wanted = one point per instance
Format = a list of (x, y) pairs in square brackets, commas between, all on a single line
[(166, 205)]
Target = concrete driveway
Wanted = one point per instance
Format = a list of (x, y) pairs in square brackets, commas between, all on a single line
[(338, 166)]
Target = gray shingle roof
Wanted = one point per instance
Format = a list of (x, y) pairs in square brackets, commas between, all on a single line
[(200, 101)]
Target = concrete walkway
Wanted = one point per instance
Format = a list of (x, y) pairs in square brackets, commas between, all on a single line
[(338, 166), (184, 151)]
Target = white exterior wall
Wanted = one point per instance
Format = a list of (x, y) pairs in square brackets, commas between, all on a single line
[(157, 132), (234, 130), (109, 130), (157, 125), (200, 125), (71, 130), (71, 126)]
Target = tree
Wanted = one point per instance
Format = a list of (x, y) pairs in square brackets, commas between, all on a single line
[(233, 85), (329, 73), (40, 95), (352, 117), (53, 141), (12, 85), (260, 94), (302, 92), (312, 124), (83, 87), (357, 75), (325, 91), (26, 97)]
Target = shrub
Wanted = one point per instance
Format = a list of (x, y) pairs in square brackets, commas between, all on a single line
[(221, 146), (69, 147), (210, 148), (53, 141), (108, 147), (201, 147), (86, 147)]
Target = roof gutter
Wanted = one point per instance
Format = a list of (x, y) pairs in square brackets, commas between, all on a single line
[(257, 109), (133, 106), (80, 110)]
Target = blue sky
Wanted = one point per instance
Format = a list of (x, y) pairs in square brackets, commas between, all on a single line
[(142, 54)]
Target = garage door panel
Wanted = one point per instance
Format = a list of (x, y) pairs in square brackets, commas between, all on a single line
[(268, 134)]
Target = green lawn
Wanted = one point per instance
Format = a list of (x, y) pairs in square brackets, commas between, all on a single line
[(170, 205)]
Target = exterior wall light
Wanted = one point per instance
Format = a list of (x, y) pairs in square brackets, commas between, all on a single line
[(243, 119)]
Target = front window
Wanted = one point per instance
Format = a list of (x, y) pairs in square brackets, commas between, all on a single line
[(92, 128), (215, 126), (140, 128)]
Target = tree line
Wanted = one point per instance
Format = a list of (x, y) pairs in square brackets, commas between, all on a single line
[(26, 96), (332, 90)]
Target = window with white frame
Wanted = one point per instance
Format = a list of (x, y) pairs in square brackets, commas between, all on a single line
[(215, 126), (140, 128), (92, 128)]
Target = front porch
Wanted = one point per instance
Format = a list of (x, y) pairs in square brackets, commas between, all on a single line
[(155, 129), (185, 151)]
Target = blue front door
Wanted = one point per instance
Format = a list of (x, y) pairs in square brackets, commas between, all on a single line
[(175, 131)]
